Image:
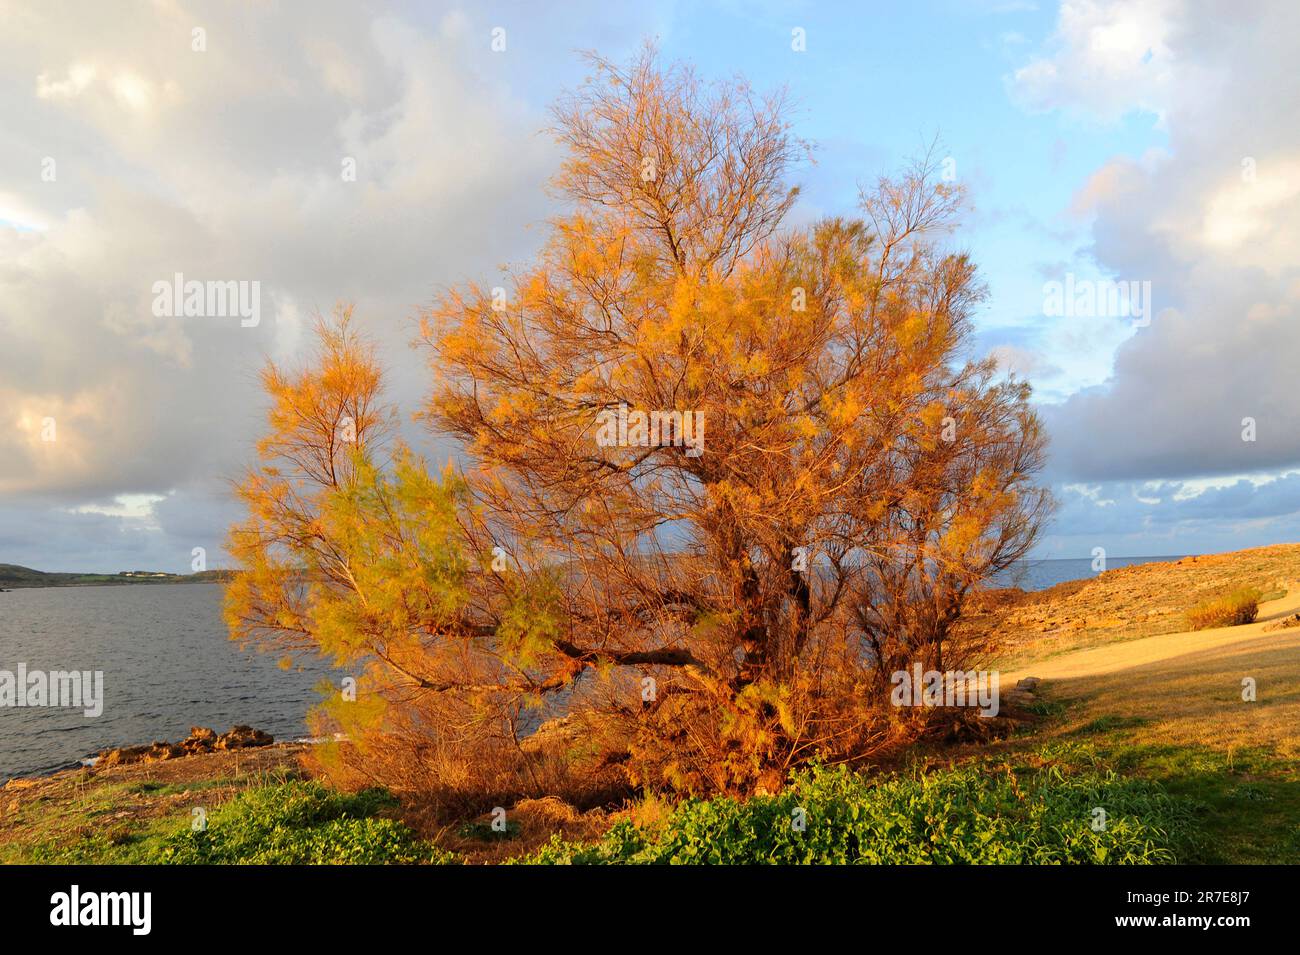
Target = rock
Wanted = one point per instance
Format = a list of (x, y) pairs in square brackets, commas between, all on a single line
[(201, 740), (159, 751), (122, 755), (1286, 623), (553, 734), (243, 737), (1023, 693), (1018, 698)]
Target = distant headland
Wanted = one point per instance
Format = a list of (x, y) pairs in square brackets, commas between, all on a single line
[(13, 577)]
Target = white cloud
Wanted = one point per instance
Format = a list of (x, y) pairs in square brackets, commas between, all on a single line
[(1220, 246), (225, 165), (1106, 58), (78, 78)]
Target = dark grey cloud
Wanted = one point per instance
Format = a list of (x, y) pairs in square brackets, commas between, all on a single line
[(1138, 519)]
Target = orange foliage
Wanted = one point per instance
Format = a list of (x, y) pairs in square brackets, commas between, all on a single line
[(708, 616)]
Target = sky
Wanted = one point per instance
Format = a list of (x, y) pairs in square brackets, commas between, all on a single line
[(1151, 146)]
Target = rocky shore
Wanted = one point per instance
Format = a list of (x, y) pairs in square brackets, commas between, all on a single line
[(201, 740)]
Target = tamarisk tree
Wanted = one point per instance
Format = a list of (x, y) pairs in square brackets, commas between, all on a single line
[(723, 475)]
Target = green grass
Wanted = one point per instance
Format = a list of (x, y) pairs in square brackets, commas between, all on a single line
[(978, 813), (39, 829), (1243, 804), (285, 823), (1032, 804), (1246, 804), (483, 831), (151, 787), (1109, 724)]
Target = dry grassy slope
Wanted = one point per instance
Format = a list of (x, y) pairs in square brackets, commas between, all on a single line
[(1170, 706), (1182, 687), (1127, 603), (1188, 695)]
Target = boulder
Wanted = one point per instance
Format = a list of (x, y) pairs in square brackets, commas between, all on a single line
[(120, 756), (200, 740), (555, 734), (243, 737), (160, 750)]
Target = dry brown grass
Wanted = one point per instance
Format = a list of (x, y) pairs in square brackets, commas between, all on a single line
[(439, 783), (1239, 607), (1195, 698), (1186, 688), (532, 823), (1127, 603)]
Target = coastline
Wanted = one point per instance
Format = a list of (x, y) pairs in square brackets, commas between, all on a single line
[(95, 762), (1089, 644)]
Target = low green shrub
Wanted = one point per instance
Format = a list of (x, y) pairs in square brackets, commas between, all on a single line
[(483, 831), (300, 823), (974, 814)]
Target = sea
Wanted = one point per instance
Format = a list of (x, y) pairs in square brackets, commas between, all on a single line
[(168, 664), (1042, 574)]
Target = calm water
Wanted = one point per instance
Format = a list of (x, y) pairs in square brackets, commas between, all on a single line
[(167, 664), (1041, 574)]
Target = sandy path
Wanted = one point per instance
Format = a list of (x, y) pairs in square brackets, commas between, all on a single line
[(1134, 653)]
